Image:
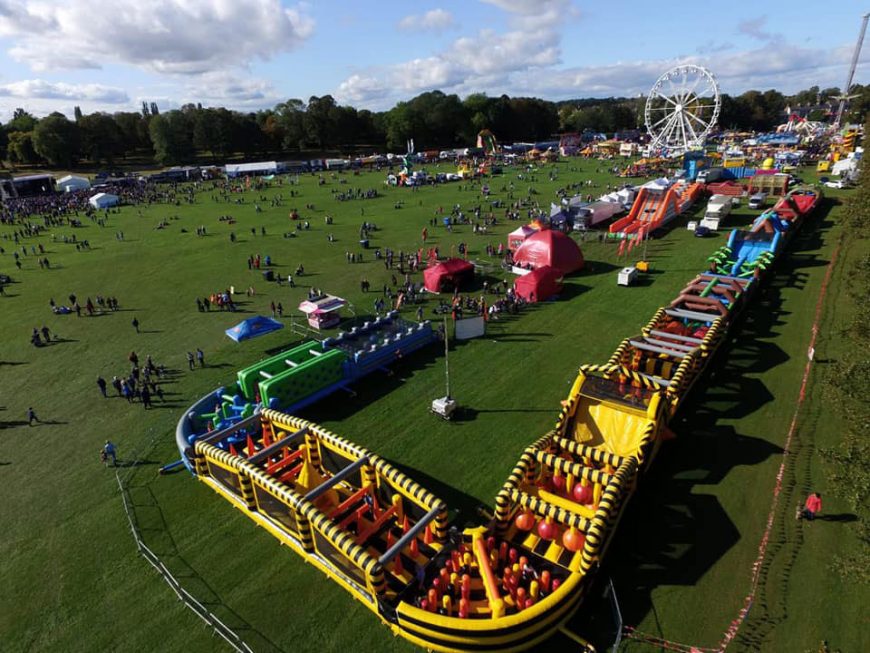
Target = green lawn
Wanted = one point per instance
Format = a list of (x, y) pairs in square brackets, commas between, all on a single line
[(70, 574)]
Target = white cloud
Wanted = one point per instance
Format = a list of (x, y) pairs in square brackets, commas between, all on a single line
[(754, 28), (481, 61), (164, 36), (41, 89), (227, 89), (360, 90), (435, 20)]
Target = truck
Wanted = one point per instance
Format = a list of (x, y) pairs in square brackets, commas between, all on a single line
[(596, 213), (710, 175), (718, 208)]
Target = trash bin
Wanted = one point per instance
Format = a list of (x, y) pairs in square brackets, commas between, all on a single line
[(268, 275)]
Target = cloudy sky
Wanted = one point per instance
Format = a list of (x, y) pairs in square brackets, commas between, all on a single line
[(110, 55)]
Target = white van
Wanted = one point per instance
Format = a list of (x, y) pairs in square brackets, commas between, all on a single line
[(757, 201)]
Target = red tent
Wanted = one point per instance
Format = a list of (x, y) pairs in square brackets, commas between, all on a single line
[(539, 284), (550, 247), (449, 274)]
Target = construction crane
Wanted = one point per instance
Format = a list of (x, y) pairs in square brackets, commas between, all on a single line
[(844, 96)]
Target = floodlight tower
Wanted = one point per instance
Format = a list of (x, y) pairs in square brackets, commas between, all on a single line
[(844, 94)]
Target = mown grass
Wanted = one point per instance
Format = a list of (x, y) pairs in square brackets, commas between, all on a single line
[(71, 578)]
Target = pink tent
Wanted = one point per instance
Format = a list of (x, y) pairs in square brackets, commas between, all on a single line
[(539, 284), (550, 247), (517, 236)]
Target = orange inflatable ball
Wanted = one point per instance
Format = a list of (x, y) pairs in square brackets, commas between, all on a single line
[(525, 521), (547, 529), (583, 494), (573, 540)]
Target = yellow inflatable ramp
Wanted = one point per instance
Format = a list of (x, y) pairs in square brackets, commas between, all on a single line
[(617, 429)]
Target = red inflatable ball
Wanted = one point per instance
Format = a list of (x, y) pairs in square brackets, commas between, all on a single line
[(559, 482), (583, 494), (547, 529), (525, 521), (573, 540)]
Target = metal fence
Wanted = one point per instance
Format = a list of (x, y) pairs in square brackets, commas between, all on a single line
[(219, 627)]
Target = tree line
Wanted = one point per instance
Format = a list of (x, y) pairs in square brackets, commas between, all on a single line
[(433, 119)]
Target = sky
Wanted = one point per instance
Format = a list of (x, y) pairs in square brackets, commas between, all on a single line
[(111, 55)]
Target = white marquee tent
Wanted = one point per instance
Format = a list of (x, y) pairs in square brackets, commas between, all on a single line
[(71, 183), (104, 200)]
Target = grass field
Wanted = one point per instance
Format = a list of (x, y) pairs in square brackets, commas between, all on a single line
[(681, 564)]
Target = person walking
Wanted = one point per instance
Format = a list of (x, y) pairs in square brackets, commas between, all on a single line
[(200, 357), (109, 451), (812, 506), (190, 364), (101, 384), (31, 416), (135, 324), (116, 383)]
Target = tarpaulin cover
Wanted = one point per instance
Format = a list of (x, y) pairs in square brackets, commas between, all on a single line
[(253, 327)]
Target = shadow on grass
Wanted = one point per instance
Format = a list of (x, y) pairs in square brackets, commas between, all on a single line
[(11, 424), (844, 517), (374, 386), (465, 510), (672, 534), (134, 463), (156, 534)]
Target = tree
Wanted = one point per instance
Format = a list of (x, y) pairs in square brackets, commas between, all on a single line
[(133, 130), (4, 142), (56, 139), (20, 148), (172, 137), (289, 116), (78, 113), (101, 138), (21, 122), (213, 131), (316, 122)]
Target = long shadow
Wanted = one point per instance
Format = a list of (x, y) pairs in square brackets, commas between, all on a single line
[(597, 268), (11, 424), (134, 463), (465, 510), (671, 533), (845, 518), (156, 534), (374, 387)]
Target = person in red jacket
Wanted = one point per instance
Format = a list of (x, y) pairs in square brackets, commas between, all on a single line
[(812, 506)]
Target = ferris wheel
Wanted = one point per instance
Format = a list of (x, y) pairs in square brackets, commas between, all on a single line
[(682, 108)]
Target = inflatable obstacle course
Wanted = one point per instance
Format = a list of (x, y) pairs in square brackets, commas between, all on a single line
[(511, 583), (300, 376)]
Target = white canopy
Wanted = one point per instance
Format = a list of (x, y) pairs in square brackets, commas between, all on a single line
[(104, 200), (71, 183)]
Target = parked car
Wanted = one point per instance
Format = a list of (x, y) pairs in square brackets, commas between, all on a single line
[(838, 183)]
